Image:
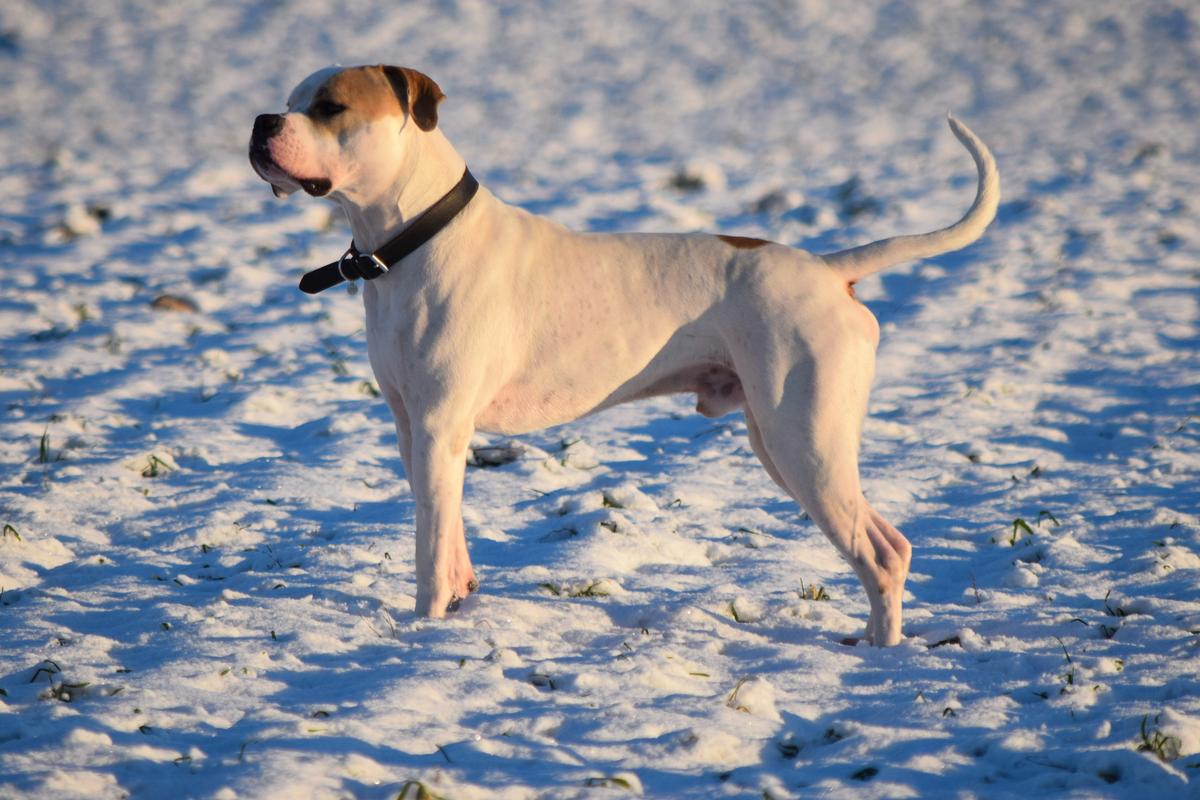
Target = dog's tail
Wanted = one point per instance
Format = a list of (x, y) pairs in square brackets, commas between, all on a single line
[(858, 262)]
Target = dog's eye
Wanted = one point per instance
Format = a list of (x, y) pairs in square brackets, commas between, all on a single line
[(326, 108)]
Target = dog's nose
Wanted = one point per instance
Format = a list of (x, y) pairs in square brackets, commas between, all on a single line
[(266, 126)]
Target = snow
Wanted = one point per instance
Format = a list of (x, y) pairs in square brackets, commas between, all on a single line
[(205, 578)]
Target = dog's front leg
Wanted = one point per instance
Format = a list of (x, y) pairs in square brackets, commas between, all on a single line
[(438, 463)]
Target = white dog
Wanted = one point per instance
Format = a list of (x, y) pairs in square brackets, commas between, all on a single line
[(501, 321)]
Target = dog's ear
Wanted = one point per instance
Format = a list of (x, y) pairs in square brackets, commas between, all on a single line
[(417, 93)]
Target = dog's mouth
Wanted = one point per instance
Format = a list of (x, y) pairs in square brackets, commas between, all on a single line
[(317, 187), (283, 182)]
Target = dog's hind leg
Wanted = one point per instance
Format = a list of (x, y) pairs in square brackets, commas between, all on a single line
[(877, 526), (808, 442), (760, 450), (826, 484)]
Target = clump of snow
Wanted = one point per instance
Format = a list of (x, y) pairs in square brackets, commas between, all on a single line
[(1178, 733), (746, 609), (754, 696)]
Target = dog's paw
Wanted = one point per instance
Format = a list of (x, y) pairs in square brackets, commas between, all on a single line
[(456, 601), (439, 601)]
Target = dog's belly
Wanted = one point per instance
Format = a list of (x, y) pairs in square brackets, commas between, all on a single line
[(552, 392), (521, 408), (518, 408)]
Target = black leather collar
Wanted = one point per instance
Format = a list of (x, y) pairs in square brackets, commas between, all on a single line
[(368, 266)]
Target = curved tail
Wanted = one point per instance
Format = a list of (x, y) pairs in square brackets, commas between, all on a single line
[(858, 262)]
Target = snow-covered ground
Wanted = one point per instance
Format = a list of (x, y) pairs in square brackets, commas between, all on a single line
[(205, 570)]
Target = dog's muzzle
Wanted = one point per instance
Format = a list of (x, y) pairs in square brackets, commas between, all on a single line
[(266, 126)]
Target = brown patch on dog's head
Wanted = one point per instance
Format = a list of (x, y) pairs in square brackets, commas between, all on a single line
[(364, 91), (418, 94), (370, 93), (742, 242)]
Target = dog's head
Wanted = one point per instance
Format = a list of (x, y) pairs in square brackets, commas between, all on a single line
[(341, 124)]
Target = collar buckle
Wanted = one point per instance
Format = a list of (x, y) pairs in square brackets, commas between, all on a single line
[(373, 260), (354, 265)]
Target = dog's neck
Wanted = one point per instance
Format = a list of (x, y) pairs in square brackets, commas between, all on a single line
[(428, 168)]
